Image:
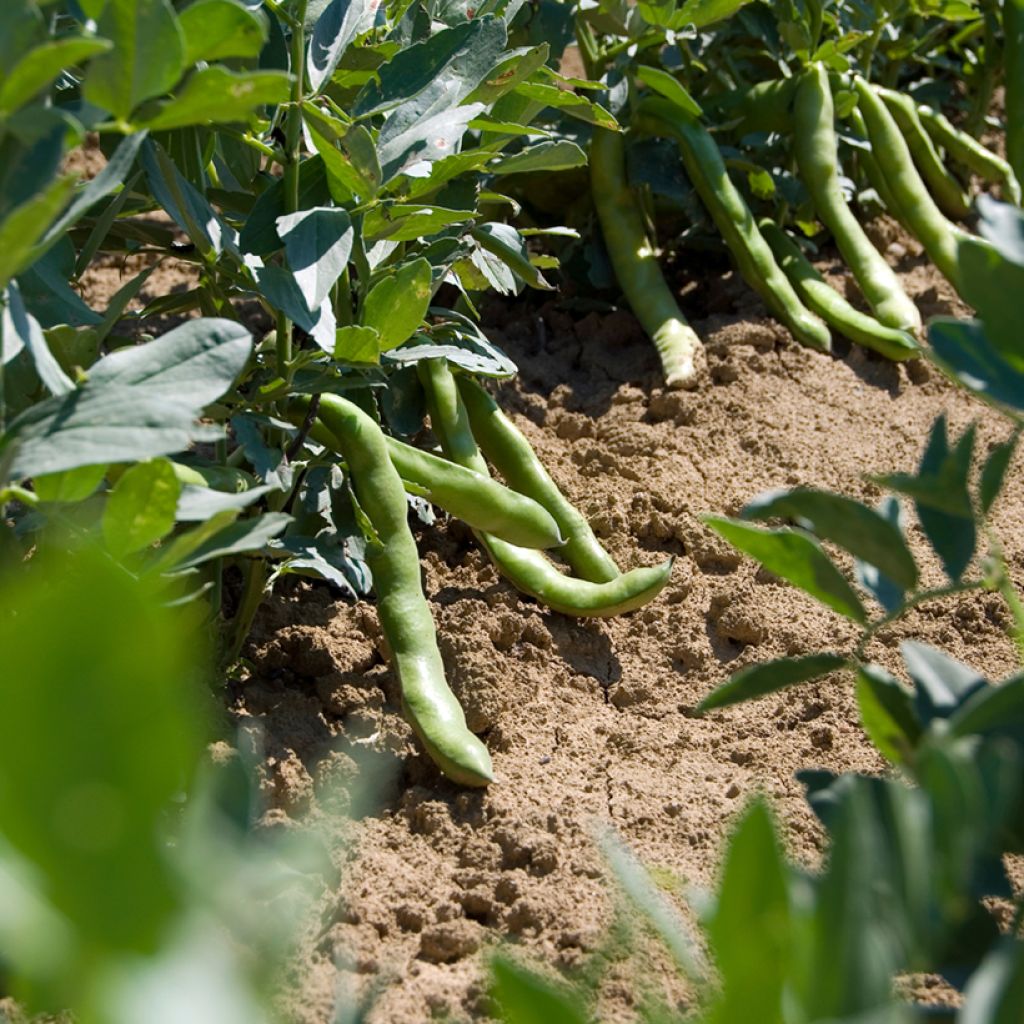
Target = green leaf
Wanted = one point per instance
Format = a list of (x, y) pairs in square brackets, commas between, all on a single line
[(887, 713), (515, 67), (796, 557), (218, 96), (505, 242), (215, 29), (993, 473), (405, 142), (117, 691), (449, 63), (20, 325), (396, 306), (995, 709), (246, 536), (147, 58), (524, 997), (701, 13), (141, 507), (750, 929), (71, 486), (758, 680), (41, 65), (23, 227), (669, 86), (332, 35), (988, 279), (318, 243), (348, 153), (545, 156), (942, 683), (963, 349), (886, 592), (279, 287), (995, 991), (570, 103), (856, 528), (408, 222), (359, 345), (259, 236)]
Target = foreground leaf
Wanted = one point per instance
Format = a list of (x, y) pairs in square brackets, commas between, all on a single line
[(770, 677), (141, 507)]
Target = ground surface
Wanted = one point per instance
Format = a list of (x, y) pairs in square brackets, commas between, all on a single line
[(590, 723)]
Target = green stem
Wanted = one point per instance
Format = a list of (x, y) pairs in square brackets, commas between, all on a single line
[(3, 383), (987, 77), (913, 601), (252, 597), (343, 300)]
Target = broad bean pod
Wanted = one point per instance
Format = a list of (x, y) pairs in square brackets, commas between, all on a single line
[(405, 618), (969, 152), (947, 192), (817, 157), (636, 266), (831, 306), (514, 458), (708, 175), (529, 571), (925, 220), (479, 501)]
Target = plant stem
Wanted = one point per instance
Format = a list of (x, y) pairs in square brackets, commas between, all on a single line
[(292, 168), (255, 572), (975, 122), (912, 602)]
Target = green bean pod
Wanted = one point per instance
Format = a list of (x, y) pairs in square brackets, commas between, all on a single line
[(948, 193), (636, 266), (405, 618), (868, 163), (831, 306), (514, 458), (938, 236), (969, 152), (529, 571), (1013, 57), (817, 155), (477, 500), (708, 175)]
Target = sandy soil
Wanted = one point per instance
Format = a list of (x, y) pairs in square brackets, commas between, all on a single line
[(591, 723)]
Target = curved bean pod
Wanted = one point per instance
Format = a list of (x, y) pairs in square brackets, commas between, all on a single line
[(868, 163), (948, 193), (636, 266), (817, 157), (708, 175), (830, 305), (938, 236), (967, 150), (529, 571), (477, 500), (405, 618), (514, 458)]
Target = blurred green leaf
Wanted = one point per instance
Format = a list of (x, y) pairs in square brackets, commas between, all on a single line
[(524, 997), (886, 592), (963, 349), (866, 534), (887, 713), (141, 508), (795, 556), (72, 485), (41, 65), (995, 992), (769, 677), (942, 683), (997, 709), (993, 472)]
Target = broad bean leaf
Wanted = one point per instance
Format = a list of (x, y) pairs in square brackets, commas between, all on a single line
[(506, 244), (318, 243), (141, 507), (795, 556), (358, 345), (522, 996), (887, 713), (997, 710), (942, 684), (753, 901), (445, 68), (545, 156), (279, 287), (863, 532), (888, 593), (348, 153), (216, 95), (215, 29), (117, 690), (245, 536), (993, 472), (995, 991), (71, 486), (24, 329), (41, 65), (259, 235), (988, 280), (965, 351), (408, 138), (567, 102), (333, 33), (407, 222), (23, 228), (671, 88), (396, 306), (515, 67), (147, 58), (197, 504), (769, 677)]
